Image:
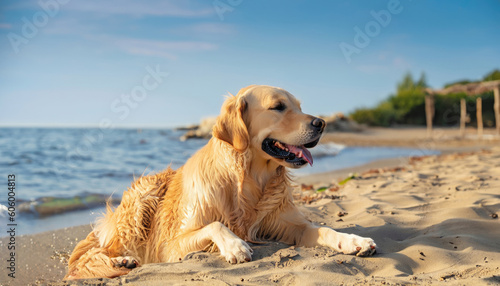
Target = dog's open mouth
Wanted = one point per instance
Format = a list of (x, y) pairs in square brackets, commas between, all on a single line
[(297, 155)]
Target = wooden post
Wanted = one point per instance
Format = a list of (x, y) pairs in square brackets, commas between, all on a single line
[(429, 113), (497, 108), (463, 117), (479, 117)]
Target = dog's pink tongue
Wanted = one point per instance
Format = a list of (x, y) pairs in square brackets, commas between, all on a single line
[(301, 152)]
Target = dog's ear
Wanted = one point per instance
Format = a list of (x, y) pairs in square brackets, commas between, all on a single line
[(230, 126)]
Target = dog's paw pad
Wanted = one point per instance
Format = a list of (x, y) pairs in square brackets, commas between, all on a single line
[(125, 261), (360, 246), (367, 251)]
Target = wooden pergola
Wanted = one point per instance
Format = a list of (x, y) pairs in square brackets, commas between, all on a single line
[(474, 88)]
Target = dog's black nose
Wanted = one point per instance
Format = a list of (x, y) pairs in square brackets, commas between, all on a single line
[(318, 123)]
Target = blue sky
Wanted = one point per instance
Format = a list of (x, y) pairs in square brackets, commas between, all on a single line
[(85, 63)]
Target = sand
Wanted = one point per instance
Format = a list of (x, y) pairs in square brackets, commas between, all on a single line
[(434, 219), (444, 139)]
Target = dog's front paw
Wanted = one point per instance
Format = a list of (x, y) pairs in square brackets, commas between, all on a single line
[(236, 251), (125, 261), (360, 246)]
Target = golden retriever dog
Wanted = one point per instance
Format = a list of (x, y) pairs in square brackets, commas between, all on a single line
[(234, 190)]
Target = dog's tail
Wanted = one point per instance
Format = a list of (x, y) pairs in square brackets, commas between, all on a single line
[(89, 260), (123, 231)]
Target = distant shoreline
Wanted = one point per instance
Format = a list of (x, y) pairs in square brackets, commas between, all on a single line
[(443, 139)]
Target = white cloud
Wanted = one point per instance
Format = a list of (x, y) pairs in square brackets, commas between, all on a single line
[(385, 63), (400, 63), (71, 26), (371, 68), (205, 28), (5, 26), (138, 8), (163, 49)]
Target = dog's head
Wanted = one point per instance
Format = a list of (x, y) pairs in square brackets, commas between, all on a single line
[(269, 121)]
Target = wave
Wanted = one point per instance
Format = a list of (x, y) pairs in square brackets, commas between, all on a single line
[(47, 206), (326, 150)]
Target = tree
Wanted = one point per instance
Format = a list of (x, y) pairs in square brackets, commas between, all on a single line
[(409, 85), (406, 84), (422, 82), (493, 75)]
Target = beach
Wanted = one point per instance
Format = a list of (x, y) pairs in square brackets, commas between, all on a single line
[(434, 219)]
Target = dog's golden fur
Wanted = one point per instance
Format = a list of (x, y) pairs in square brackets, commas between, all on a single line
[(229, 193)]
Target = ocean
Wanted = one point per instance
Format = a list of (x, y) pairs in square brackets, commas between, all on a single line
[(64, 175)]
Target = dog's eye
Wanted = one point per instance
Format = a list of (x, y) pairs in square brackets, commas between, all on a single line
[(279, 107)]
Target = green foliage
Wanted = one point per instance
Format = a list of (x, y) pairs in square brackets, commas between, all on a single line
[(408, 85), (322, 189), (493, 75), (407, 106), (351, 176), (401, 108), (464, 81), (383, 115)]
